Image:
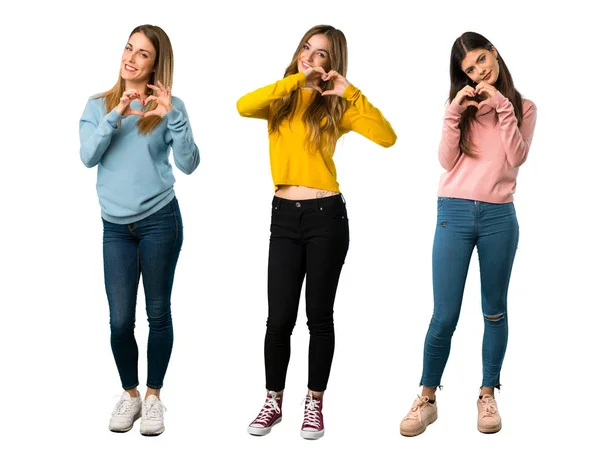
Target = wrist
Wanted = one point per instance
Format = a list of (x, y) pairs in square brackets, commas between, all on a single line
[(172, 116), (350, 92), (113, 118), (456, 108), (458, 99), (496, 99)]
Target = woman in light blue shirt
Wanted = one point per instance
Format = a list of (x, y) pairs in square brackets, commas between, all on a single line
[(128, 133)]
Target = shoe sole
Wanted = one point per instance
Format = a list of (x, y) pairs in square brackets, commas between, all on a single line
[(490, 430), (153, 433), (121, 431), (257, 431), (127, 429), (312, 435), (410, 434)]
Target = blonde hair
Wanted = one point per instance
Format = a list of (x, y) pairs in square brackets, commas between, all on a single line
[(327, 109), (163, 71)]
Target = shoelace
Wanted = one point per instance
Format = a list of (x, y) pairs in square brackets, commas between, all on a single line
[(311, 412), (489, 406), (414, 410), (154, 410), (123, 407), (267, 411)]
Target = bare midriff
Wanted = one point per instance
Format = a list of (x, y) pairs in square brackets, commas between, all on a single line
[(300, 192)]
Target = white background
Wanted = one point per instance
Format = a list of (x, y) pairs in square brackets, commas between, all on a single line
[(57, 371)]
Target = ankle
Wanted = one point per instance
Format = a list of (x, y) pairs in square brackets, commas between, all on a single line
[(315, 394), (152, 392), (134, 393), (429, 392), (486, 391)]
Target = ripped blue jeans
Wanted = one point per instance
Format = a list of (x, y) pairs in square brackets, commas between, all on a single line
[(462, 225)]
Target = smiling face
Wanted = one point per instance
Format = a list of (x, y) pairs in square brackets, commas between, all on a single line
[(315, 53), (138, 59), (481, 65)]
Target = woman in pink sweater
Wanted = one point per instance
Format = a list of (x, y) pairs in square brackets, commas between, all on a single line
[(488, 128)]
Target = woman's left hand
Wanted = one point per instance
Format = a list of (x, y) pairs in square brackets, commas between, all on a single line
[(339, 83), (163, 99)]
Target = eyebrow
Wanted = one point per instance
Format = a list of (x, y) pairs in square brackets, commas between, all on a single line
[(319, 49), (129, 44)]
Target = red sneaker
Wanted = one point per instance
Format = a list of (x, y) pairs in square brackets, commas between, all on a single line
[(269, 415), (313, 426)]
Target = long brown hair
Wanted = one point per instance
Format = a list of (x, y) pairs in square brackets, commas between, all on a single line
[(163, 71), (323, 115), (470, 41)]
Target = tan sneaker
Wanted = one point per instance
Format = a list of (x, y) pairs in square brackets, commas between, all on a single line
[(421, 414), (488, 418)]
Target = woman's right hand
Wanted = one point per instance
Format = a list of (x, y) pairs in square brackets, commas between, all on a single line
[(314, 77), (461, 97), (124, 108)]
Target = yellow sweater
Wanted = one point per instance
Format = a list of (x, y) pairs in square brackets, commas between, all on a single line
[(291, 162)]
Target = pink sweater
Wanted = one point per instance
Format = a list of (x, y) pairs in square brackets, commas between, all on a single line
[(500, 149)]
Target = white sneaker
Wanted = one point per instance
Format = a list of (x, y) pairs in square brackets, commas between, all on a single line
[(153, 419), (126, 412)]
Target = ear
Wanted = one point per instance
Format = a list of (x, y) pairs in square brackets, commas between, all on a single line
[(494, 52)]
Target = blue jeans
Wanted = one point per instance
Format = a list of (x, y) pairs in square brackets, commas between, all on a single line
[(149, 247), (462, 225)]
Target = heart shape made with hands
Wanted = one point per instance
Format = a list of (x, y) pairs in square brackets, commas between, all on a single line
[(314, 78), (136, 97), (479, 100), (316, 75), (147, 110)]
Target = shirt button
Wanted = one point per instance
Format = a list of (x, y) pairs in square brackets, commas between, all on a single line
[(298, 204)]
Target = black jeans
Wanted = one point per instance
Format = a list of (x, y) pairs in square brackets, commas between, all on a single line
[(308, 237)]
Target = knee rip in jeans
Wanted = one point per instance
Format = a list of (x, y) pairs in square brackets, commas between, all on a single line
[(495, 317)]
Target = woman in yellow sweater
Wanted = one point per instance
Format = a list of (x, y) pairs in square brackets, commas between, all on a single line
[(307, 112)]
